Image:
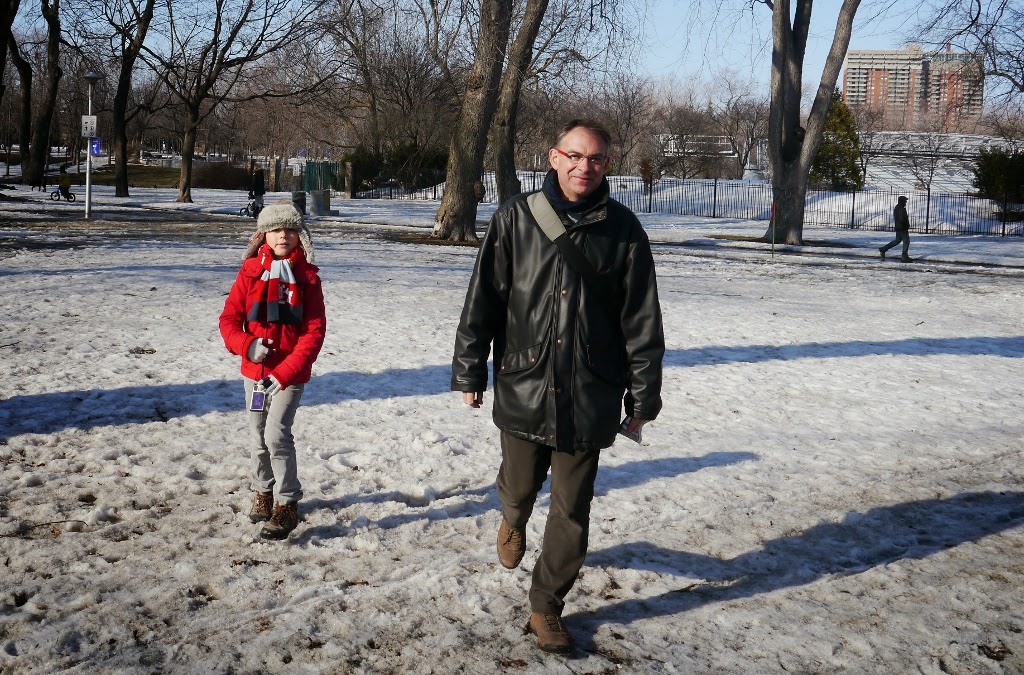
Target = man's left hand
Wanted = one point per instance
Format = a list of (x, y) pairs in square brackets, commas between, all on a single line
[(635, 425)]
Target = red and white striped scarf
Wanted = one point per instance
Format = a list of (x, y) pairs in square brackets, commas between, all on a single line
[(279, 296)]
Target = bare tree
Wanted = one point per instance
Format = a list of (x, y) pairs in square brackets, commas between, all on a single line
[(791, 146), (8, 10), (35, 128), (629, 106), (504, 124), (870, 122), (25, 80), (209, 55), (553, 41), (358, 31), (1008, 123), (8, 123), (741, 116), (417, 103), (926, 152), (456, 216), (992, 28), (541, 111), (122, 25), (688, 149)]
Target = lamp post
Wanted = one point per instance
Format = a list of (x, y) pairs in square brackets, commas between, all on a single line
[(92, 77)]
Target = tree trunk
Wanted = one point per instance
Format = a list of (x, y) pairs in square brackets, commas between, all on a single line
[(790, 196), (791, 147), (8, 10), (188, 150), (39, 149), (456, 216), (25, 125), (129, 55), (120, 160), (503, 128)]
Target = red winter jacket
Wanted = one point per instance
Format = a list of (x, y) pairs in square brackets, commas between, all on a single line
[(295, 346)]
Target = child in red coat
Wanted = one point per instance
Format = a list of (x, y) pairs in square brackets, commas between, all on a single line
[(274, 319)]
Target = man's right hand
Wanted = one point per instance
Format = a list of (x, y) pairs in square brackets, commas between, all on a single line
[(473, 398)]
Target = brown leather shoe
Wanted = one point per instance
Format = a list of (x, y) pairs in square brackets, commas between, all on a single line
[(511, 545), (284, 520), (551, 633), (262, 507)]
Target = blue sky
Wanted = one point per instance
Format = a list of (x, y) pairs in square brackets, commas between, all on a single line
[(695, 38)]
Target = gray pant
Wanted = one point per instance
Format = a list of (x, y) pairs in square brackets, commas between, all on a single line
[(272, 451), (903, 236), (524, 466)]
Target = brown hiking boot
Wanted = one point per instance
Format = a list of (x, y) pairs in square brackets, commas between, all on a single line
[(284, 520), (262, 505), (551, 633), (511, 545)]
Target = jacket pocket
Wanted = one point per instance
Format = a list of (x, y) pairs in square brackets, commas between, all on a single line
[(607, 367), (522, 359)]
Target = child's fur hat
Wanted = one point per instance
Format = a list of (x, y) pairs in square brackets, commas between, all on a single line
[(279, 215)]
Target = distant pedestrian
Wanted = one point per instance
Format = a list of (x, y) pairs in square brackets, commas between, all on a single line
[(64, 183), (257, 188), (902, 220), (274, 319)]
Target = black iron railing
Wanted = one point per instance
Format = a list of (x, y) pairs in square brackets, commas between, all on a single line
[(930, 212)]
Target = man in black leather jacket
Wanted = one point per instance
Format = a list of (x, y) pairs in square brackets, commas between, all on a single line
[(567, 351)]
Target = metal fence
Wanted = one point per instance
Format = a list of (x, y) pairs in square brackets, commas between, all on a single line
[(930, 213), (323, 176)]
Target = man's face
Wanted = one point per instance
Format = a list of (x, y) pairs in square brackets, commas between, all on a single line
[(579, 180)]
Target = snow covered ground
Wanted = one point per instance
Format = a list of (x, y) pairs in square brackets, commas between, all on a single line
[(835, 484)]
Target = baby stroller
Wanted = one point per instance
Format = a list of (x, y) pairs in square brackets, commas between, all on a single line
[(252, 209)]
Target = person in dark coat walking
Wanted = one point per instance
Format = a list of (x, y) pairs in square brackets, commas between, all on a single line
[(902, 220), (257, 188), (569, 349)]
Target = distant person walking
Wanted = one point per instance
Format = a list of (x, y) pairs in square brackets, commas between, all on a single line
[(902, 220), (257, 188)]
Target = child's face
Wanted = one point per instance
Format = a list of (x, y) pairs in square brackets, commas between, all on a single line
[(283, 241)]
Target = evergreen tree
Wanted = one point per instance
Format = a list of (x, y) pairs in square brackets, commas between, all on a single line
[(836, 166), (999, 175)]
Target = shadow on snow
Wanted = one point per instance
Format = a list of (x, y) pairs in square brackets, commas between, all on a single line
[(473, 502), (85, 409), (965, 346), (861, 541)]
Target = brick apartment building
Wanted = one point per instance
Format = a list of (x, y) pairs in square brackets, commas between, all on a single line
[(915, 90)]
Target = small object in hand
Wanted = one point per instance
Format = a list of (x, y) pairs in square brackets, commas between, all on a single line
[(634, 435), (258, 400), (271, 386)]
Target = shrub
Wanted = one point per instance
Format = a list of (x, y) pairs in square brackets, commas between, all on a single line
[(999, 175), (221, 176)]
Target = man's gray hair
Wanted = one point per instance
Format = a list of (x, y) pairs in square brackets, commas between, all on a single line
[(593, 126)]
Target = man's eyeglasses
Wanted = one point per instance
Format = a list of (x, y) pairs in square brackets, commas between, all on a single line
[(576, 158)]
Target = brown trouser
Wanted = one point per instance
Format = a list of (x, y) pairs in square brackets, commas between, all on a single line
[(524, 466)]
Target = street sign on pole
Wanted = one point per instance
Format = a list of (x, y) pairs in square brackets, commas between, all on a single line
[(94, 146), (88, 126)]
